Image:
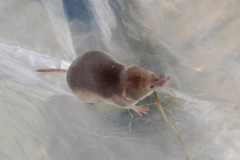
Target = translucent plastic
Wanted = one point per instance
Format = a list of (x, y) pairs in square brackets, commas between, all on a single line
[(196, 43)]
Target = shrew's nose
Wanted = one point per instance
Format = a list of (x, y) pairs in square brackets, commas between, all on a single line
[(161, 80)]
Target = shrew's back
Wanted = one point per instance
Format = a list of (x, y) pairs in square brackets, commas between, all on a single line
[(96, 72)]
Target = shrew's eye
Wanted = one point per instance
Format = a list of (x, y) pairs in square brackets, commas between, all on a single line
[(151, 86)]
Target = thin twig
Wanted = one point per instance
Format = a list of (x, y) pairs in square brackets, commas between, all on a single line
[(148, 104), (179, 138)]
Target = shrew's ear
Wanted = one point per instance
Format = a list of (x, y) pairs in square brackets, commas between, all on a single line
[(125, 95), (130, 94), (132, 68)]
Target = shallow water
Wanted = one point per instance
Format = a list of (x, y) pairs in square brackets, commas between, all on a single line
[(195, 43)]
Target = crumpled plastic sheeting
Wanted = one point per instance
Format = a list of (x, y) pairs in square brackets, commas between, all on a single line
[(196, 43)]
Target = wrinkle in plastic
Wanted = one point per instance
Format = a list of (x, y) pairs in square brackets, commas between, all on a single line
[(196, 43)]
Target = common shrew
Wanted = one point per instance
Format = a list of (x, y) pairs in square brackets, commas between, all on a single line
[(97, 77)]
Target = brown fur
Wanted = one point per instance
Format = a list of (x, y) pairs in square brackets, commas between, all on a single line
[(97, 77), (96, 72)]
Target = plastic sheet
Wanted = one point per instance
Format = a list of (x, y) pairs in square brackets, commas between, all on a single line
[(196, 43)]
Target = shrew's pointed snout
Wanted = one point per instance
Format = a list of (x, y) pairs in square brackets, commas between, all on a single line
[(161, 80)]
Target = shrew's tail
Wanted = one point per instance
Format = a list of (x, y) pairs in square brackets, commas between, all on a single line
[(51, 70)]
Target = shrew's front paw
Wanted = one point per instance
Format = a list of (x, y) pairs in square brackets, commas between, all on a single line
[(141, 110)]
